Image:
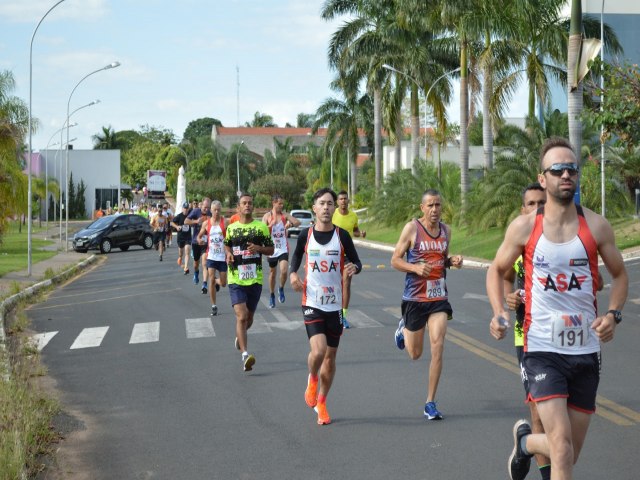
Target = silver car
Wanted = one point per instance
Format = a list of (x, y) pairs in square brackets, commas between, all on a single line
[(306, 221)]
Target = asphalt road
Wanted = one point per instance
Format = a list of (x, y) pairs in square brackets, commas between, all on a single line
[(161, 393)]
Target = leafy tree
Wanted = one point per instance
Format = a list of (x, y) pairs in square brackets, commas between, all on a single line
[(261, 120), (108, 140), (137, 160), (14, 121), (160, 135), (201, 127), (216, 189), (265, 187)]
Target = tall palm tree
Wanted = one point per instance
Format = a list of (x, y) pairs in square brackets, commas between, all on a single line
[(14, 115), (261, 120), (108, 140)]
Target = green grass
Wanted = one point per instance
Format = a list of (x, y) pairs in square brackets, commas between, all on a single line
[(483, 245), (13, 249), (27, 412)]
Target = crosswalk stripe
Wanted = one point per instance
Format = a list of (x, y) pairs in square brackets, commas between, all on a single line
[(199, 327), (360, 320), (260, 325), (393, 311), (40, 340), (368, 294), (89, 337), (145, 332)]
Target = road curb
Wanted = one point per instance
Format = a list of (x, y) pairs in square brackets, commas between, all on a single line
[(9, 303)]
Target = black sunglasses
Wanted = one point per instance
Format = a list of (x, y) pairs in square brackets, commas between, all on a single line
[(557, 169)]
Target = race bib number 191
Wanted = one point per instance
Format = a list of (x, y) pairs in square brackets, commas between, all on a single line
[(569, 330)]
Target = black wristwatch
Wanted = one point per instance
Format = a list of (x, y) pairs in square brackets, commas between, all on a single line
[(617, 315)]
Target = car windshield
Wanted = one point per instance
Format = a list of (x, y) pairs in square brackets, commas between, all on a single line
[(100, 223), (302, 215)]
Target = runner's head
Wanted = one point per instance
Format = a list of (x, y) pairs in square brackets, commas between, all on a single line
[(343, 200), (216, 207), (431, 206), (245, 204), (324, 204), (559, 169), (533, 197), (277, 203)]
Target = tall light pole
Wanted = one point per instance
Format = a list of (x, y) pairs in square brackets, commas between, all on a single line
[(29, 205), (46, 174), (66, 223), (238, 192), (426, 95), (602, 182)]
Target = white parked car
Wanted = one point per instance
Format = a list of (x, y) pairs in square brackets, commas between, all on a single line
[(306, 221)]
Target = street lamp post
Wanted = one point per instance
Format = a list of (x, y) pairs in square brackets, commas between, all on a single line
[(426, 95), (238, 192), (46, 175), (29, 205), (66, 223)]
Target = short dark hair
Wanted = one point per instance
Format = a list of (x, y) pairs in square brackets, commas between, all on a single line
[(431, 192), (531, 186), (324, 191), (553, 142), (244, 194), (276, 196), (343, 192)]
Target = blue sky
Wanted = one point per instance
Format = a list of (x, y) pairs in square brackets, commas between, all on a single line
[(178, 61)]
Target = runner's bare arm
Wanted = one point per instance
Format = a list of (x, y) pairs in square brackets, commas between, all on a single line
[(405, 242), (293, 221), (454, 261)]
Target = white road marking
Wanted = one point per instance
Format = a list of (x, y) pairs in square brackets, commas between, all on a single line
[(145, 332), (40, 340), (199, 327), (89, 337), (393, 311), (360, 320), (475, 296), (259, 325)]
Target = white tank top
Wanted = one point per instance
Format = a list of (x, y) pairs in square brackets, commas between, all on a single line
[(279, 237), (323, 274), (560, 292), (215, 249)]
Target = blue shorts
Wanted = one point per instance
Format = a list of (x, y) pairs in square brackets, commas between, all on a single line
[(217, 265), (249, 294)]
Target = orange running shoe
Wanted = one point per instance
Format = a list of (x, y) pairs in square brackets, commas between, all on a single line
[(323, 415), (180, 261), (311, 393)]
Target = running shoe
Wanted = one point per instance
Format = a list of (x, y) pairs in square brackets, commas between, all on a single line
[(237, 344), (323, 415), (400, 334), (281, 295), (204, 288), (272, 301), (160, 257), (214, 310), (179, 261), (248, 361), (217, 287), (431, 412), (186, 272), (345, 323), (196, 277), (519, 462), (311, 393)]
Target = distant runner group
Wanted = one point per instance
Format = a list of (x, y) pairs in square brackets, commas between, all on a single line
[(551, 250)]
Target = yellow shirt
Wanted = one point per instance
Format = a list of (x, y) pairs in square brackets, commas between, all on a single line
[(347, 222)]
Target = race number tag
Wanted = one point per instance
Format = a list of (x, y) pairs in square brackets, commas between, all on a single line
[(247, 272), (436, 288), (569, 330), (279, 243), (185, 228), (326, 296)]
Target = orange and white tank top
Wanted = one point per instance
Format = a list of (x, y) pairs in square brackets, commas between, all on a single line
[(560, 285), (323, 274), (279, 237), (427, 249), (215, 239)]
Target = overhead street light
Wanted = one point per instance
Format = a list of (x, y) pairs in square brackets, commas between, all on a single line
[(66, 223), (426, 95), (46, 172), (29, 205), (239, 192)]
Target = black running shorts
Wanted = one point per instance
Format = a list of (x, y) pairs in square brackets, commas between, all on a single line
[(273, 262), (416, 314), (554, 375), (328, 324)]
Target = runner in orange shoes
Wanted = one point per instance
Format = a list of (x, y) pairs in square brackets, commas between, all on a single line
[(325, 246)]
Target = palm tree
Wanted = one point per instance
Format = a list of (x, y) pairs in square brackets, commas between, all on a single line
[(107, 140), (261, 120), (14, 115)]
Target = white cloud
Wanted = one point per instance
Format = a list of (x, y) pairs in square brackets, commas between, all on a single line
[(31, 11)]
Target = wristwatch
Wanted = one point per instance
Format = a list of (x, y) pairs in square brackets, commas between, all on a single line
[(617, 315)]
